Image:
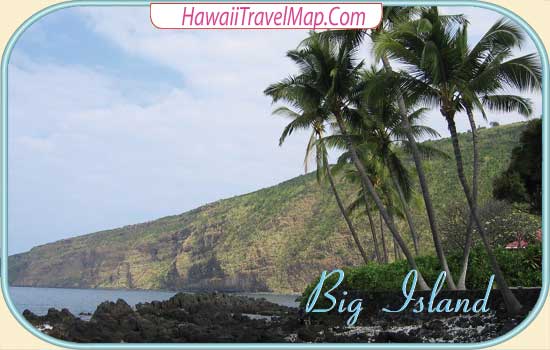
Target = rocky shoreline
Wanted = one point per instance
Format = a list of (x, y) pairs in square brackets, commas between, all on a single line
[(217, 317)]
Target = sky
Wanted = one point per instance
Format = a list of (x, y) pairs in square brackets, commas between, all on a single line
[(113, 122)]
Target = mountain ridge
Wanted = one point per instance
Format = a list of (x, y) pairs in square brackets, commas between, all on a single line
[(275, 239)]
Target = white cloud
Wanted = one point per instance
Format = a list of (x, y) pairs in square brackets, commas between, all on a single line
[(212, 61), (85, 156), (195, 54), (88, 151)]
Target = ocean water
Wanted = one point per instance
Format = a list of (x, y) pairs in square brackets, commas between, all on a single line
[(39, 300)]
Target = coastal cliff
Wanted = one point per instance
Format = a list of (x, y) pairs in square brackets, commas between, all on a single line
[(276, 239)]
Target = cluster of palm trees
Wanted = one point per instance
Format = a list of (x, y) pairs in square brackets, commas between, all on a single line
[(372, 115)]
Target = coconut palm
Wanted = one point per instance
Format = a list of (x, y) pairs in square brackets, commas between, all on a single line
[(382, 127), (374, 137), (378, 173), (359, 199), (350, 174), (377, 170), (383, 238), (378, 178), (432, 51), (392, 19), (377, 130), (393, 16), (483, 64), (330, 70), (310, 116)]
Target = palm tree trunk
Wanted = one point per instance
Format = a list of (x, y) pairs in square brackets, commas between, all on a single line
[(373, 231), (346, 216), (423, 183), (389, 204), (383, 239), (397, 253), (469, 231), (512, 304), (368, 186), (405, 206), (461, 285)]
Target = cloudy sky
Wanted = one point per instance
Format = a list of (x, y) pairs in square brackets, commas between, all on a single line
[(113, 122)]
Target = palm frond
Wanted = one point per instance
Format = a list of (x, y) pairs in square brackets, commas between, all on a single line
[(508, 103), (523, 73)]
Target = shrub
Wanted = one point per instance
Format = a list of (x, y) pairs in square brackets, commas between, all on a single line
[(520, 267), (522, 181), (503, 223)]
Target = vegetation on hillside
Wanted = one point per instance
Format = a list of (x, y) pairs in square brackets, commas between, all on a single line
[(275, 239), (371, 113)]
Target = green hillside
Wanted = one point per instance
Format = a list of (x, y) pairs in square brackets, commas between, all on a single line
[(275, 239)]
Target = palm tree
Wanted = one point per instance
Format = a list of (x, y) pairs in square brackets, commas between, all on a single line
[(310, 117), (393, 210), (378, 178), (330, 69), (432, 50), (350, 174), (377, 130), (382, 128), (394, 16), (323, 163), (374, 138), (482, 63)]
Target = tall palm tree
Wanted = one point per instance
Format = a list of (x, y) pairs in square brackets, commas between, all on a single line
[(350, 174), (310, 116), (323, 162), (432, 50), (362, 199), (383, 128), (378, 177), (393, 16), (376, 135), (330, 69), (393, 210), (482, 64)]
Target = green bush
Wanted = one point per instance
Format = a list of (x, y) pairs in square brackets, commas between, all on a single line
[(520, 267)]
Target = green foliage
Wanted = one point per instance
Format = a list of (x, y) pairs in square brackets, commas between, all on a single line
[(283, 235), (495, 144), (509, 186), (501, 221), (520, 267), (522, 181)]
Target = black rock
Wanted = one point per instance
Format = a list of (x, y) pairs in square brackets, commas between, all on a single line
[(215, 317), (395, 337)]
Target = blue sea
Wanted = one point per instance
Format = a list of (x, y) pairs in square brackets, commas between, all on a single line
[(77, 301)]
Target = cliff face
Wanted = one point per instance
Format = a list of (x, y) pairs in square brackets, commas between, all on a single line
[(275, 239)]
